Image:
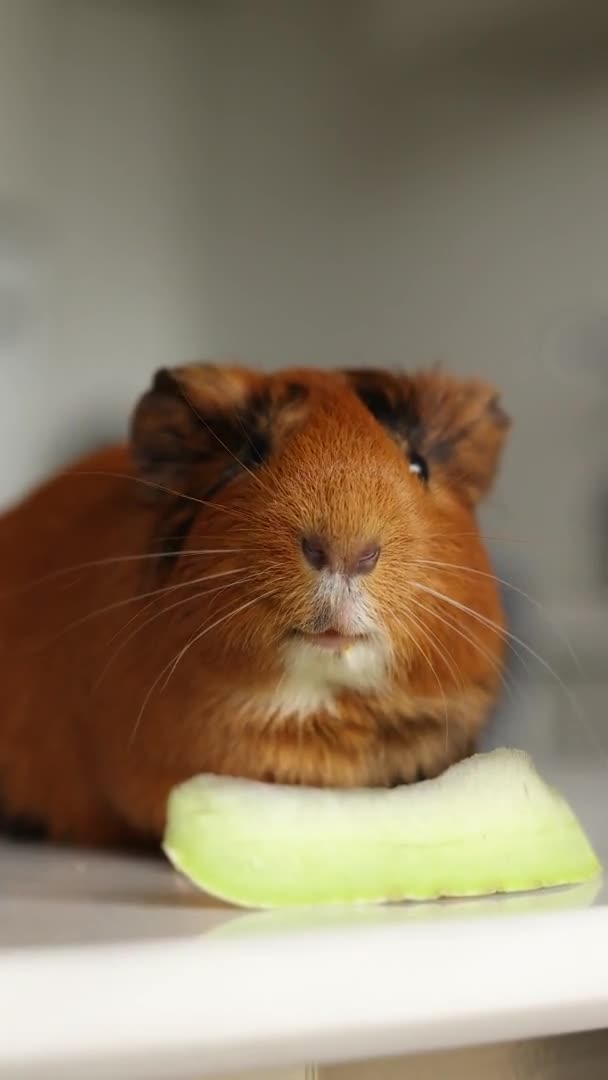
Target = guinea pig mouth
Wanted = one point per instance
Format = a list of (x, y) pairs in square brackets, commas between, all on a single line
[(330, 640)]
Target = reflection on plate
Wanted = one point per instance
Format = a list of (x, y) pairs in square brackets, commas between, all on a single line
[(335, 917)]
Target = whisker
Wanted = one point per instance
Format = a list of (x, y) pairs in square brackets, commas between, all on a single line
[(490, 623), (171, 666), (470, 640), (222, 443), (496, 628), (480, 573), (570, 697), (434, 672), (133, 599), (514, 588), (440, 647), (506, 634), (193, 582), (490, 537), (93, 564), (204, 625), (157, 615), (247, 435), (159, 487)]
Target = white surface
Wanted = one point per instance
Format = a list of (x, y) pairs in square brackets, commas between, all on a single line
[(115, 964)]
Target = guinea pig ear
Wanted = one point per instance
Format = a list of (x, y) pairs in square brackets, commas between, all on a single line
[(179, 422), (461, 430)]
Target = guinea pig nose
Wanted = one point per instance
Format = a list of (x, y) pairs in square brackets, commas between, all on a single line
[(321, 554)]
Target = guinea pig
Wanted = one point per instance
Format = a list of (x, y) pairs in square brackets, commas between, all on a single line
[(280, 576)]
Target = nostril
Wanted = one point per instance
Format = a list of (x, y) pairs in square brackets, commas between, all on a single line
[(321, 554), (316, 551), (367, 559)]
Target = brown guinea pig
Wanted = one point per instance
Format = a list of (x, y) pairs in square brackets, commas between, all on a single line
[(281, 577)]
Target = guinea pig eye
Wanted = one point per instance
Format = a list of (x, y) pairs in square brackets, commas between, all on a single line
[(419, 466)]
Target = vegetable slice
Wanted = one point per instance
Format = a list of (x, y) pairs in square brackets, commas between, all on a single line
[(489, 824)]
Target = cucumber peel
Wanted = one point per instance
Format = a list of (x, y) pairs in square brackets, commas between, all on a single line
[(489, 824)]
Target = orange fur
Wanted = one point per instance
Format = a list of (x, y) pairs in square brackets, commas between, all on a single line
[(95, 728)]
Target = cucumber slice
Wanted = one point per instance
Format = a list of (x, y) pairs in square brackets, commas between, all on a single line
[(489, 824)]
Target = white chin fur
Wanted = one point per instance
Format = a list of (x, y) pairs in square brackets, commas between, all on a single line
[(314, 677)]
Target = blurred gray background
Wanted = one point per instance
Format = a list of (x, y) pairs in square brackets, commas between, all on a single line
[(375, 182)]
